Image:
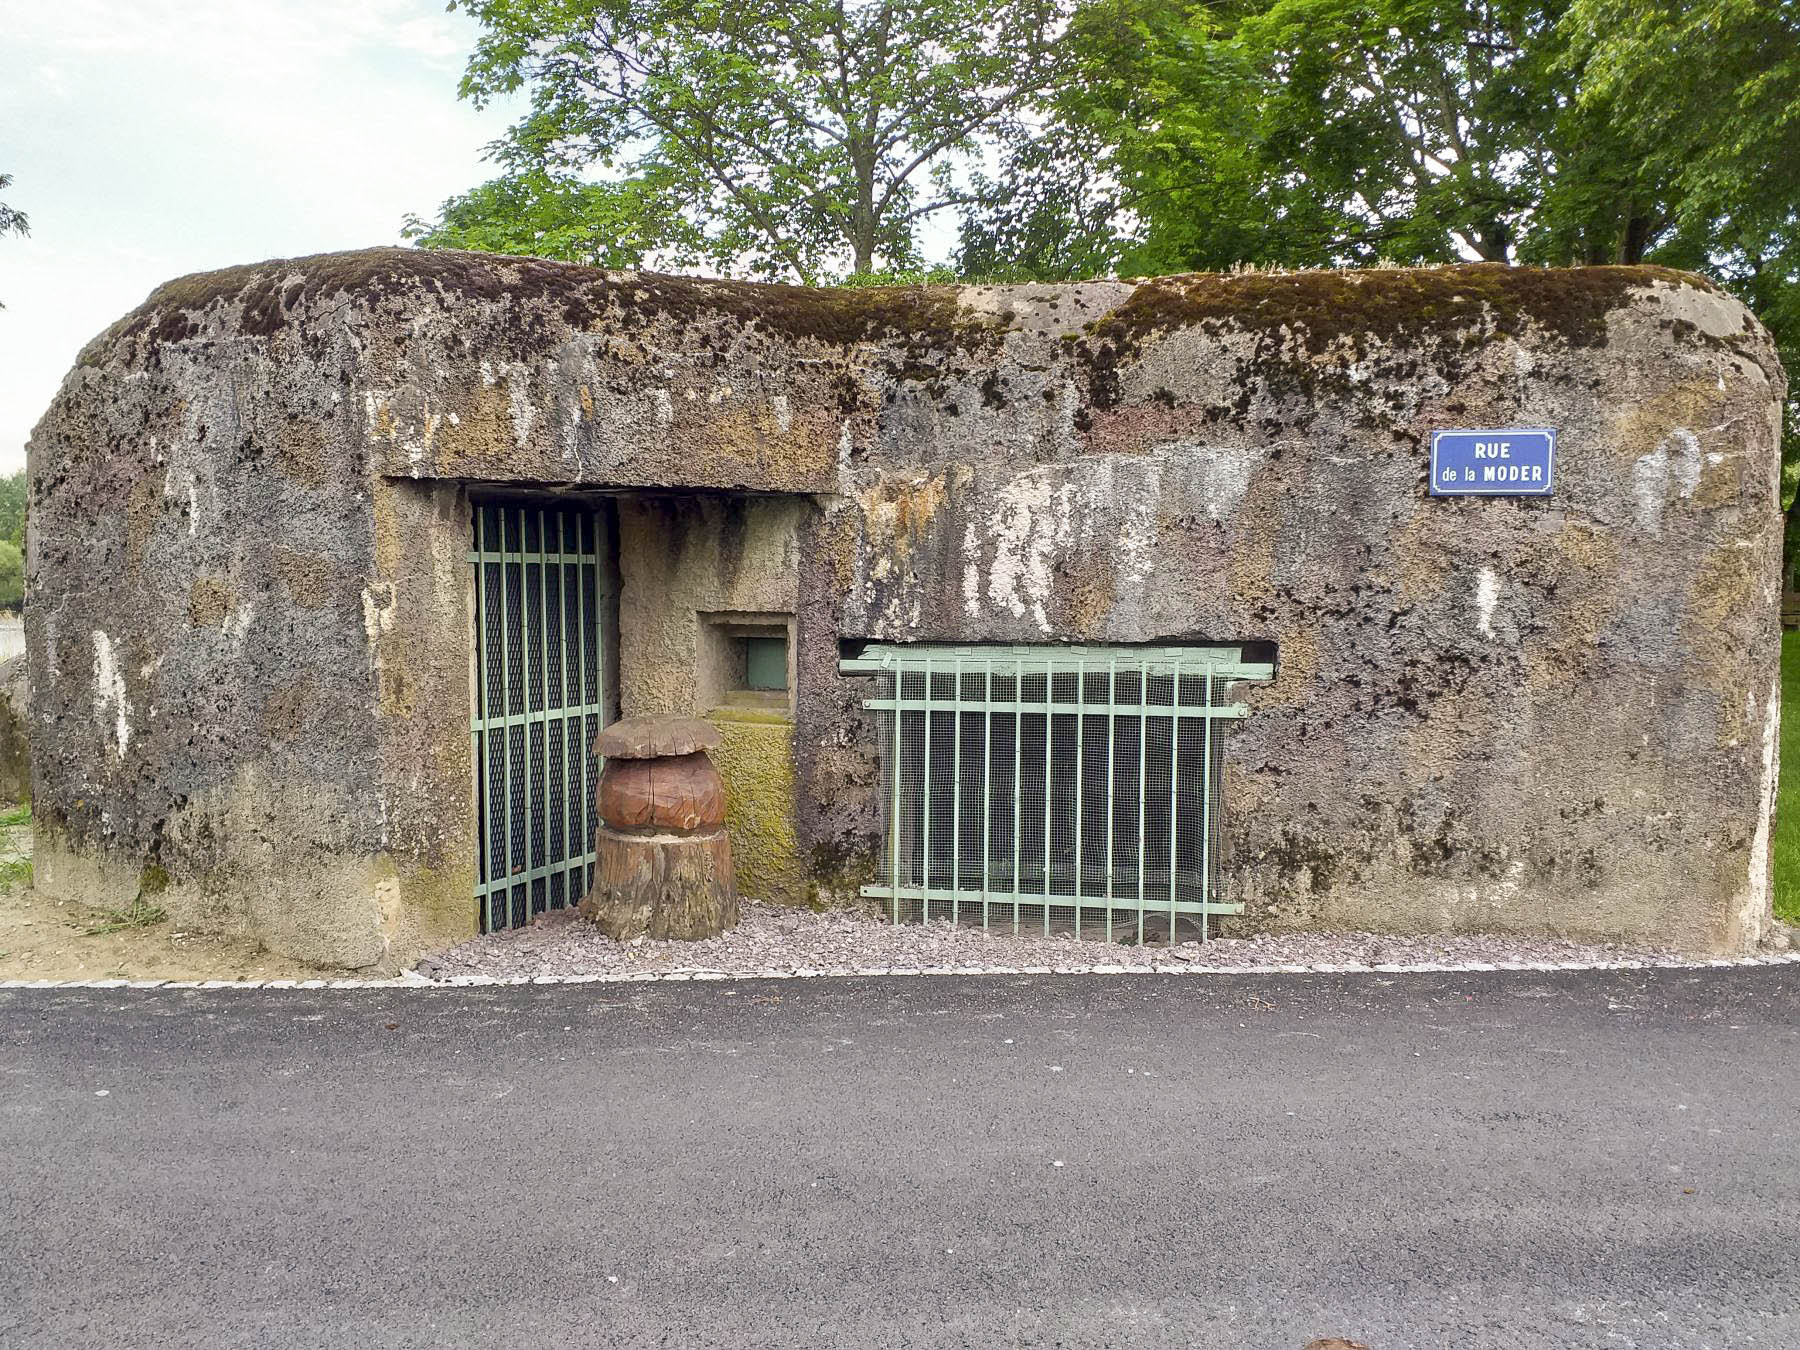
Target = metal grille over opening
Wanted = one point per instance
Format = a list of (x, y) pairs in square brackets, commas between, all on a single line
[(1067, 788), (539, 704)]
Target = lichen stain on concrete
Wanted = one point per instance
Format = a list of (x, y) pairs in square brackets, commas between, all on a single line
[(109, 693), (1027, 523), (1726, 586), (520, 404), (300, 452), (1754, 909), (378, 418), (756, 760), (210, 602), (1640, 425), (1487, 595), (143, 508), (310, 578), (1222, 471), (285, 714), (1673, 465)]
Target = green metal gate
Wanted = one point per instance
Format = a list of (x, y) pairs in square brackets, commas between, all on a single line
[(540, 700), (1072, 787)]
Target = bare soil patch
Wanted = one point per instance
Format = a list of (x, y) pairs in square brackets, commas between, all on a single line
[(43, 939)]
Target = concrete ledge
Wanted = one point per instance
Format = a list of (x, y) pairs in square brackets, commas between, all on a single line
[(410, 981)]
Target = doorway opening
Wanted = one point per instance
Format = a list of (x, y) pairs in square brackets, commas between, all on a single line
[(545, 609)]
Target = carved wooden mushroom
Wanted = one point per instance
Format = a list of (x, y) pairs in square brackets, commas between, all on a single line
[(663, 864)]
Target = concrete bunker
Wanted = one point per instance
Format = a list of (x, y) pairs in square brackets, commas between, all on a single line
[(256, 572)]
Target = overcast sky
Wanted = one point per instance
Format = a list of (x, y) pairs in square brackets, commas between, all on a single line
[(150, 138)]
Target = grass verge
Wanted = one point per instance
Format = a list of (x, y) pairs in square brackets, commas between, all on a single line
[(1787, 810), (138, 914)]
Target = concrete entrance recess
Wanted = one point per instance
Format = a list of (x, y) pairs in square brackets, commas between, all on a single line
[(253, 611)]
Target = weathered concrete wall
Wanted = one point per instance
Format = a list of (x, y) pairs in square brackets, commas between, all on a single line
[(686, 560), (682, 558), (756, 760), (251, 610), (15, 730)]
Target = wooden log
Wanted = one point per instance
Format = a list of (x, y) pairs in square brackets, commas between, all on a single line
[(656, 738), (662, 885), (681, 793)]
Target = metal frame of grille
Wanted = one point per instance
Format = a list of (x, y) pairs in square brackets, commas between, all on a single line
[(539, 702), (1076, 787)]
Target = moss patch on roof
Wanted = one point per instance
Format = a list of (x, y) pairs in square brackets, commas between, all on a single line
[(272, 293), (1321, 308), (1466, 304)]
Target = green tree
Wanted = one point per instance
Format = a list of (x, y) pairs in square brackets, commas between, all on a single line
[(12, 220), (1314, 132), (791, 138), (1707, 94), (12, 508), (12, 575), (545, 214)]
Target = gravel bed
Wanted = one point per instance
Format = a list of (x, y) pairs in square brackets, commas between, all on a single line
[(777, 939)]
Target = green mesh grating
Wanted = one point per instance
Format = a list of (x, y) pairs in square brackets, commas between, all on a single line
[(538, 707), (1062, 789)]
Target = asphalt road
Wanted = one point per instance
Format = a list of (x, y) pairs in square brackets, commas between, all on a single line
[(1505, 1160)]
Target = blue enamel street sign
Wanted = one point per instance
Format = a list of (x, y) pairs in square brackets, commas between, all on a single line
[(1510, 462)]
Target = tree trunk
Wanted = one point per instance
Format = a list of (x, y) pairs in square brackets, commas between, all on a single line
[(862, 214), (662, 885)]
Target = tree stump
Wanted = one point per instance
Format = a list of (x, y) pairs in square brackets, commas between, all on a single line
[(663, 856)]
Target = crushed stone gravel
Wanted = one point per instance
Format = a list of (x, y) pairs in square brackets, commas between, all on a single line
[(776, 940)]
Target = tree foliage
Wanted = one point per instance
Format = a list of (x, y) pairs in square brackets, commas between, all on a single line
[(786, 138), (12, 220), (1708, 95), (12, 540), (1314, 132), (12, 507), (546, 214), (12, 576)]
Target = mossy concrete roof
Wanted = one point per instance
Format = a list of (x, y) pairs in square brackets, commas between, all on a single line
[(1324, 306)]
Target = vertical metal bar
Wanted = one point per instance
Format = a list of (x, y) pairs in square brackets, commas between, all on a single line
[(583, 748), (574, 709), (925, 807), (478, 734), (570, 836), (1049, 740), (1017, 797), (1174, 780), (1143, 740), (1206, 788), (590, 783), (894, 809), (544, 707), (506, 701), (1112, 722), (987, 783), (1080, 771), (956, 801)]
